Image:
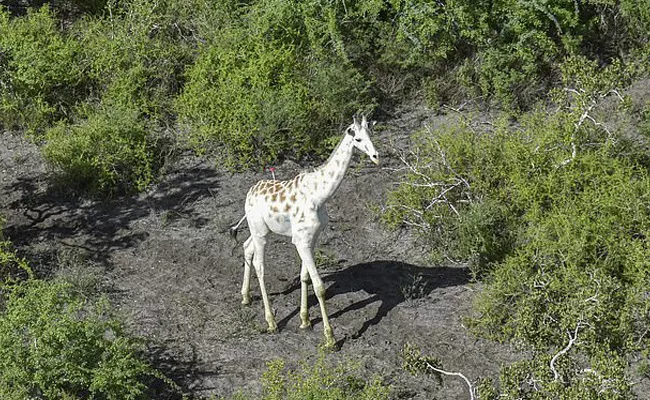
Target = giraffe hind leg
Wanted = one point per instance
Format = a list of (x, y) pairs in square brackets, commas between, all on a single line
[(258, 263), (249, 252), (304, 310)]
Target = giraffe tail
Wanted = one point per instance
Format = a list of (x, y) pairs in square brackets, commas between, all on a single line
[(233, 229)]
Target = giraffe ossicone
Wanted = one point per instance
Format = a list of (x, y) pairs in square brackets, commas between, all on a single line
[(296, 208)]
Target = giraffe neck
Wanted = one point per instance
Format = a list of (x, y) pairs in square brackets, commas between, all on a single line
[(325, 180)]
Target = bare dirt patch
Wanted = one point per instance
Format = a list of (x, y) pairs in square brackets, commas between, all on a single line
[(174, 272)]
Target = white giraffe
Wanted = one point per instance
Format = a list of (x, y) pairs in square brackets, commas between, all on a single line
[(296, 208)]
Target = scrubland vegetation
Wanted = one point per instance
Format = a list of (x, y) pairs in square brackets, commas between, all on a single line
[(549, 202), (60, 342)]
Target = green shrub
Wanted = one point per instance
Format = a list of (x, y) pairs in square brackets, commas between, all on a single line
[(12, 268), (505, 52), (110, 151), (41, 70), (135, 58), (551, 231), (56, 345), (268, 79), (111, 144), (259, 90), (98, 90), (318, 381), (541, 376), (578, 258), (447, 199), (637, 14), (602, 377), (552, 211)]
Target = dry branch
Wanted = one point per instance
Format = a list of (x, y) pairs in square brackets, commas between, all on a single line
[(572, 340), (442, 371)]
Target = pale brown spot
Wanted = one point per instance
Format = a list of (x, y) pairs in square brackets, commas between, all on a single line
[(287, 208), (266, 198), (274, 197), (331, 174), (293, 198), (275, 209), (282, 197)]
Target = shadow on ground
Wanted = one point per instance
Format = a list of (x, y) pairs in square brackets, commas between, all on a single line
[(388, 282), (99, 228), (179, 376)]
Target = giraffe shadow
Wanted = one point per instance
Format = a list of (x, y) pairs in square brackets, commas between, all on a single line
[(388, 282)]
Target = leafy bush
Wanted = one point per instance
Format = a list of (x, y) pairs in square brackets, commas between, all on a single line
[(553, 213), (261, 88), (134, 58), (447, 199), (318, 381), (42, 75), (542, 376), (112, 150), (533, 379), (551, 231), (56, 345), (267, 79), (97, 90), (507, 51), (581, 256), (12, 267)]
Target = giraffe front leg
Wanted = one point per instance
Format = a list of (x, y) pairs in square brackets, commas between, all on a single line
[(248, 260), (258, 263), (306, 253), (304, 310)]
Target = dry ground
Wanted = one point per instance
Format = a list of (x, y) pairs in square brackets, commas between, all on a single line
[(168, 265)]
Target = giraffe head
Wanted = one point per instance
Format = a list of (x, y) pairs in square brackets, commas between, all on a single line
[(360, 132)]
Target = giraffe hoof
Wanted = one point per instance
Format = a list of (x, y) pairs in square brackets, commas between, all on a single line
[(272, 329), (246, 302), (305, 325), (329, 344)]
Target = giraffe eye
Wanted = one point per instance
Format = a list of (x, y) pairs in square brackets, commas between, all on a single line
[(357, 139)]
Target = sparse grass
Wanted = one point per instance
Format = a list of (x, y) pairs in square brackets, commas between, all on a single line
[(84, 276), (413, 287), (243, 321), (325, 259)]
